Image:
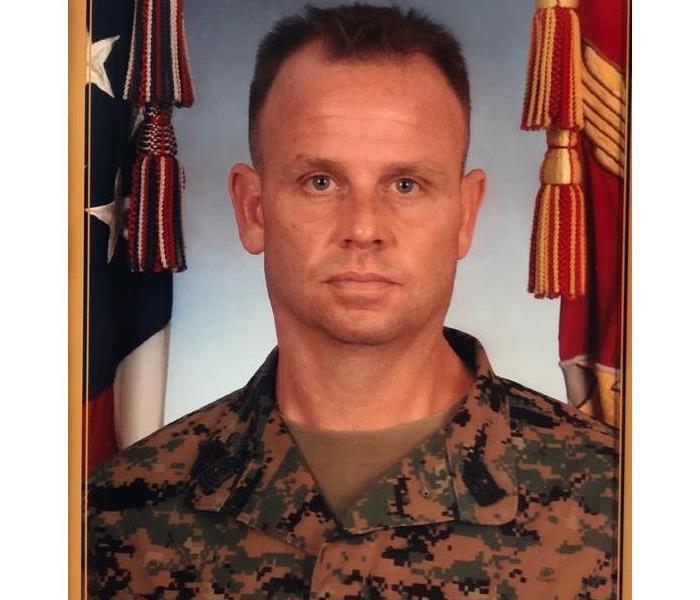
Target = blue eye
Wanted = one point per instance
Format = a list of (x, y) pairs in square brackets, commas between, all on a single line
[(320, 182), (404, 185)]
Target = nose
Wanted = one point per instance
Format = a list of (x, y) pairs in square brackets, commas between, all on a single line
[(362, 221)]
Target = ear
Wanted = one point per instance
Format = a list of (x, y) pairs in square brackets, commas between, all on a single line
[(472, 190), (245, 190)]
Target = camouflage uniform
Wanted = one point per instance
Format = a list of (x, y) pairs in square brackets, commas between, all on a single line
[(514, 499)]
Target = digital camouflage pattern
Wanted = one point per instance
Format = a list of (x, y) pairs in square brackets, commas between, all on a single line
[(516, 498)]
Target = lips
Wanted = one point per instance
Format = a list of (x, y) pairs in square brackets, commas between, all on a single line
[(351, 277)]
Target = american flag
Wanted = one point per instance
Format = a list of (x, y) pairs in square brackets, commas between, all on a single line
[(129, 312)]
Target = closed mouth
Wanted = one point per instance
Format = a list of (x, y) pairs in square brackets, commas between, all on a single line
[(355, 277)]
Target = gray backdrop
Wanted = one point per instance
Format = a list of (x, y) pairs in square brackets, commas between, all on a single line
[(222, 325)]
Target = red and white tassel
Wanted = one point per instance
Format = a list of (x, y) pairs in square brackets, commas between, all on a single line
[(154, 220), (558, 248), (158, 78), (159, 66)]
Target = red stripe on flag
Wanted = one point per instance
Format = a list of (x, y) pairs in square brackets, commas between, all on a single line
[(101, 438)]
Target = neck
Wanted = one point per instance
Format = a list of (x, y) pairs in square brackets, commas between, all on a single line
[(325, 383)]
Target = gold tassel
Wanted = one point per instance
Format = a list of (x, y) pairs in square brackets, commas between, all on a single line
[(554, 96), (554, 101), (558, 244)]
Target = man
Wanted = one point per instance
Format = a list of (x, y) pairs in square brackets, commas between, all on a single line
[(374, 454)]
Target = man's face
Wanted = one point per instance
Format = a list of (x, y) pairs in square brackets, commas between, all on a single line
[(359, 202)]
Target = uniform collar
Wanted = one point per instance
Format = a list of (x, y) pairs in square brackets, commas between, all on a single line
[(252, 470)]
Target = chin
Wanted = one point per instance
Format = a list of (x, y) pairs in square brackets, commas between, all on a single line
[(368, 329)]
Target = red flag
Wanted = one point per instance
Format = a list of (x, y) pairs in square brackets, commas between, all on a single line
[(591, 314)]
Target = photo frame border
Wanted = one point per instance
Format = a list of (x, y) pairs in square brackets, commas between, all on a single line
[(78, 289)]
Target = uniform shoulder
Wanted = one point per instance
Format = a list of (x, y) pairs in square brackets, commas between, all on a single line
[(566, 467), (167, 455), (565, 456), (532, 410)]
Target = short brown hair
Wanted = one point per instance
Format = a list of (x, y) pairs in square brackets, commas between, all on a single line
[(355, 31)]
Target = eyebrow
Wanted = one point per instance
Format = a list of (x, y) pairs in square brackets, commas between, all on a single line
[(307, 161), (420, 167)]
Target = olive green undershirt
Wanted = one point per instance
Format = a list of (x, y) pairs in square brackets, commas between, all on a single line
[(345, 463)]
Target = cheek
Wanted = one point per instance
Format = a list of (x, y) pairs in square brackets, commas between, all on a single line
[(436, 244), (435, 254), (297, 228), (291, 247), (284, 247)]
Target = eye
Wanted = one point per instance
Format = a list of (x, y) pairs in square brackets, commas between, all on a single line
[(320, 183), (404, 185)]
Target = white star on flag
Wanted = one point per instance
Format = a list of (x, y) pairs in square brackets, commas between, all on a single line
[(98, 52), (111, 215)]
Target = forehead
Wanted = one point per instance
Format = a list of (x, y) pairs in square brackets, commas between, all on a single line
[(406, 100)]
